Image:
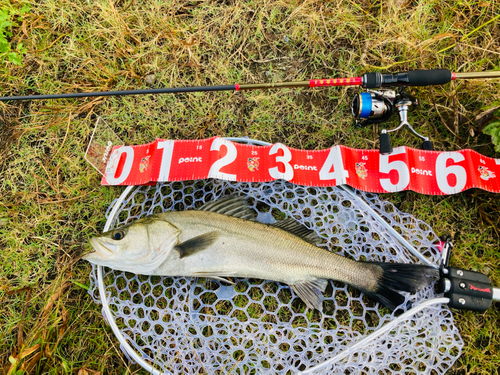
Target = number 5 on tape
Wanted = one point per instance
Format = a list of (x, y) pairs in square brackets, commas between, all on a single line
[(400, 166)]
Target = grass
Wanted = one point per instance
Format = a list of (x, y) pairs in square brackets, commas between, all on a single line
[(51, 200)]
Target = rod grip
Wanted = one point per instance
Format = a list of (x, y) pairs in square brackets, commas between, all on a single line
[(411, 78), (429, 77)]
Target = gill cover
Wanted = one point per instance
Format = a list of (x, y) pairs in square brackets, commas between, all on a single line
[(138, 247)]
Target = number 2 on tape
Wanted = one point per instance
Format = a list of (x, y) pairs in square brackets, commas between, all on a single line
[(222, 162)]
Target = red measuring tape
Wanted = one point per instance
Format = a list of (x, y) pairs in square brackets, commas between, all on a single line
[(426, 172)]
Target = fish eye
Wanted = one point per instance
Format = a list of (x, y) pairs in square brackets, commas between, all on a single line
[(118, 235)]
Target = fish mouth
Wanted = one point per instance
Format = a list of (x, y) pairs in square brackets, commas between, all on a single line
[(102, 249)]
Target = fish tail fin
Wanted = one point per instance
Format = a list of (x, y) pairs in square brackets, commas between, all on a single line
[(400, 277)]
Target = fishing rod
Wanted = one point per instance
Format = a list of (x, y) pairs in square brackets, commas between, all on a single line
[(374, 106), (371, 80)]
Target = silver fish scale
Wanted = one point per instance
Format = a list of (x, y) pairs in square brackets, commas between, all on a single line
[(189, 325)]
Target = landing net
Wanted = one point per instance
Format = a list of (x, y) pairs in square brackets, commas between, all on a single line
[(194, 325)]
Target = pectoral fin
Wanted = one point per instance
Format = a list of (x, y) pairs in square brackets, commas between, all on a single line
[(311, 292), (196, 244)]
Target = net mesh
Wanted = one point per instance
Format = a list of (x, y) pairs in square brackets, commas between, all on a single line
[(195, 325)]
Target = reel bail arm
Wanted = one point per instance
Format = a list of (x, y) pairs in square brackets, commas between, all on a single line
[(403, 102)]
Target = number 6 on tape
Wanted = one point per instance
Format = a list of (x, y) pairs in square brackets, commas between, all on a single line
[(457, 170)]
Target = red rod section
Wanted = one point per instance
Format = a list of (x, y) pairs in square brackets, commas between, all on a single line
[(353, 81)]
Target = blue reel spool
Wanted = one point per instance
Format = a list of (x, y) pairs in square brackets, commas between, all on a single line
[(364, 108)]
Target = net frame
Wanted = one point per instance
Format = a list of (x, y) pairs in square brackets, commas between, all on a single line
[(410, 329)]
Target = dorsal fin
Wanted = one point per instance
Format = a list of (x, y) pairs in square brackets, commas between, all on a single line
[(231, 205), (294, 227)]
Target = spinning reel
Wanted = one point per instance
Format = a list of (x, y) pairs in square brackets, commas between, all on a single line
[(377, 106)]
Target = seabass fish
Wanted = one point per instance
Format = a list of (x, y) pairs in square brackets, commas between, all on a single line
[(222, 239)]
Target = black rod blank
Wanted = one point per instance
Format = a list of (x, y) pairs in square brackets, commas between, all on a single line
[(121, 93)]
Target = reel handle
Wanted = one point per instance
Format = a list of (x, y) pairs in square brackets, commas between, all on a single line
[(427, 145), (385, 143)]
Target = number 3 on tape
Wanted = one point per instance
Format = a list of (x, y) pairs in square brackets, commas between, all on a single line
[(285, 160)]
